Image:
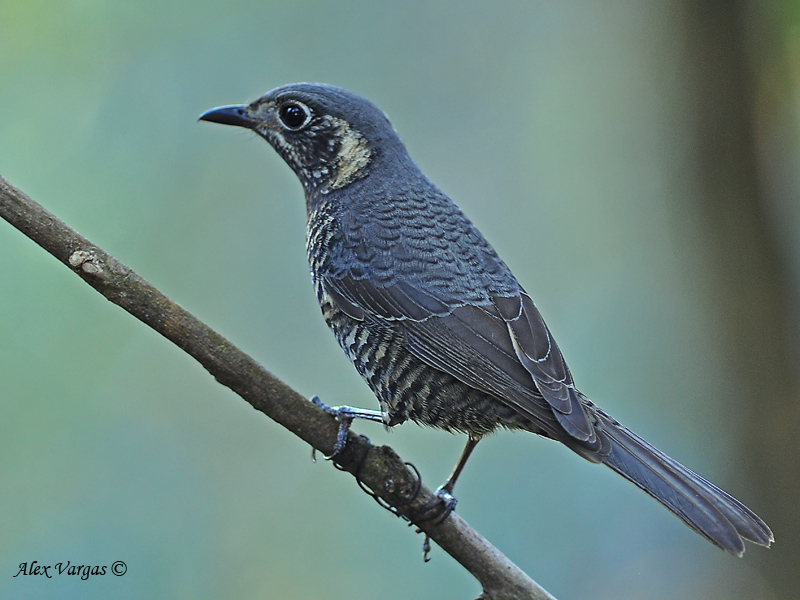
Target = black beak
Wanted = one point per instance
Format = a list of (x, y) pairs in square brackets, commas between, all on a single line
[(235, 114)]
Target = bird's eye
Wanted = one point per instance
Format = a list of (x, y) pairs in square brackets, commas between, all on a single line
[(294, 115)]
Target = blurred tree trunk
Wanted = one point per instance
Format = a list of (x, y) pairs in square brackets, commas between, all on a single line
[(731, 49)]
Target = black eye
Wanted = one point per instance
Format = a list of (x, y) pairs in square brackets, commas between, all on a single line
[(294, 115)]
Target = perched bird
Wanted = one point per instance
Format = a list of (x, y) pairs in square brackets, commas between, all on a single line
[(433, 319)]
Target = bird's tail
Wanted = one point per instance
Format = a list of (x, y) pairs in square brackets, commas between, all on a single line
[(711, 512)]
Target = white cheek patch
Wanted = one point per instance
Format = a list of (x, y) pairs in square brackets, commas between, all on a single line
[(353, 157), (348, 154)]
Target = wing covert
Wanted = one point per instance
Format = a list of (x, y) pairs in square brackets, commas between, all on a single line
[(502, 347)]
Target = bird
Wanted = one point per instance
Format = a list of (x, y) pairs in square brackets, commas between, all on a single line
[(433, 319)]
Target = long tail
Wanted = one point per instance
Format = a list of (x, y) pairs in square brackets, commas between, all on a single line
[(711, 512)]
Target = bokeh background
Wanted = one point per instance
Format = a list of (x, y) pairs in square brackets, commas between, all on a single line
[(637, 166)]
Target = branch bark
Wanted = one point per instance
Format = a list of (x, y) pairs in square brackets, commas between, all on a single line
[(379, 468)]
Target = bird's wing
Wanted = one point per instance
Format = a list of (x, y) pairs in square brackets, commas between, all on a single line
[(501, 347)]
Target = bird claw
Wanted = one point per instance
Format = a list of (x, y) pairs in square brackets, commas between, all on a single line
[(438, 509), (449, 501), (344, 416), (426, 548)]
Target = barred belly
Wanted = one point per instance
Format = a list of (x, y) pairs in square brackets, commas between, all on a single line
[(406, 387)]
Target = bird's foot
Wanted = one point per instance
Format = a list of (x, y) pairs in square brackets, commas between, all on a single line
[(345, 415), (439, 508), (341, 415)]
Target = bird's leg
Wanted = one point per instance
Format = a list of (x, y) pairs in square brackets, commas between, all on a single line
[(444, 494), (448, 486), (345, 416)]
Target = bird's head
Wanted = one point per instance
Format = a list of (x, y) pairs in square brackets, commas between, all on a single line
[(329, 136)]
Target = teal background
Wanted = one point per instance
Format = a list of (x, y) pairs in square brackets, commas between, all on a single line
[(564, 130)]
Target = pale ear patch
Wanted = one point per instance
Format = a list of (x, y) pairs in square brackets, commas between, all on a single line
[(353, 157)]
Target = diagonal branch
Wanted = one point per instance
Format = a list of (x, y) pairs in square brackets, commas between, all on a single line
[(380, 469)]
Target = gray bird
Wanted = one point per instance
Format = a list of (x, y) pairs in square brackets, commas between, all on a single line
[(433, 319)]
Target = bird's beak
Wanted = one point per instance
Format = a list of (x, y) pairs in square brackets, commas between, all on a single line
[(236, 114)]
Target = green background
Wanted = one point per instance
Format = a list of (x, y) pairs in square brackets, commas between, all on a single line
[(566, 131)]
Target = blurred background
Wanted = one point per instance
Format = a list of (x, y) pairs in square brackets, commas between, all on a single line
[(636, 164)]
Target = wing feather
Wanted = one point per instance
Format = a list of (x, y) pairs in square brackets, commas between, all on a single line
[(502, 347)]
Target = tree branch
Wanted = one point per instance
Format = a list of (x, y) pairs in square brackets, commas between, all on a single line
[(380, 469)]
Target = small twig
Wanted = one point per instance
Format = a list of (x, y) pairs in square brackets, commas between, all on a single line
[(377, 467)]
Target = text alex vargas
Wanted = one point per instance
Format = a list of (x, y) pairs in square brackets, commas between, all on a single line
[(60, 569)]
